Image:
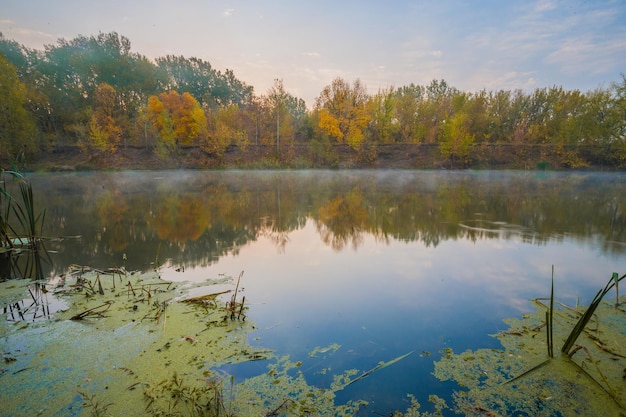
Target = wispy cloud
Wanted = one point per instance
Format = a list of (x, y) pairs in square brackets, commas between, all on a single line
[(228, 12)]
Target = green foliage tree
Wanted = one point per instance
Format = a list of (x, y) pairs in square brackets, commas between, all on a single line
[(277, 102), (455, 139), (383, 126), (406, 113), (210, 87)]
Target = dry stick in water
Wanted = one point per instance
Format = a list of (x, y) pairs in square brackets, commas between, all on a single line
[(129, 285), (96, 311), (241, 308), (100, 290)]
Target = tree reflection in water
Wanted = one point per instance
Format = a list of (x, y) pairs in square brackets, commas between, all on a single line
[(197, 217)]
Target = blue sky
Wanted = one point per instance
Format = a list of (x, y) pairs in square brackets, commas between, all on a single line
[(473, 45)]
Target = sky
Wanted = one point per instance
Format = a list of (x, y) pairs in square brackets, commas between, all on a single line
[(473, 45)]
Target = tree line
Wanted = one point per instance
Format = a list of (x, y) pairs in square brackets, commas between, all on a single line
[(95, 93)]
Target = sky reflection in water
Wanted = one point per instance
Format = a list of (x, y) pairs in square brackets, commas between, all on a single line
[(377, 294)]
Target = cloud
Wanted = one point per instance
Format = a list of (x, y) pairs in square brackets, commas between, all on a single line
[(228, 12), (544, 5), (582, 55), (27, 37)]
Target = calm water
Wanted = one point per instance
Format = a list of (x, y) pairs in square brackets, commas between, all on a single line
[(379, 262)]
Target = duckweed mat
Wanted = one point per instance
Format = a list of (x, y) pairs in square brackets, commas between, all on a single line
[(521, 380)]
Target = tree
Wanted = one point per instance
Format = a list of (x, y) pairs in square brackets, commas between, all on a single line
[(104, 133), (381, 108), (342, 112), (226, 128), (277, 103), (434, 109), (616, 120), (162, 122), (179, 119), (406, 113), (455, 140), (17, 129), (198, 78)]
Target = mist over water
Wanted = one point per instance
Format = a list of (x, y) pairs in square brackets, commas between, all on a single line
[(379, 262)]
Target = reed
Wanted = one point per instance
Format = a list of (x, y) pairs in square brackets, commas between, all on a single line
[(20, 229), (584, 319), (549, 318), (569, 349)]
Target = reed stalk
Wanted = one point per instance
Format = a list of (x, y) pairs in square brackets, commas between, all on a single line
[(584, 319)]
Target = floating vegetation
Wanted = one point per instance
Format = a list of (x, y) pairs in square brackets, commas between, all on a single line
[(132, 344), (121, 335), (587, 378), (381, 365), (332, 348)]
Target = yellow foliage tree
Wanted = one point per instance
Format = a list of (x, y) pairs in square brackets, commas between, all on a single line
[(329, 124), (226, 129), (104, 133), (343, 112)]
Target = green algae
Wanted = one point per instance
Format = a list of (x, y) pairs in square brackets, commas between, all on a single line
[(133, 344), (142, 339), (521, 380), (156, 348)]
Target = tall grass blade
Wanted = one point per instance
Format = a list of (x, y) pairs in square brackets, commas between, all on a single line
[(616, 280), (584, 319), (549, 320)]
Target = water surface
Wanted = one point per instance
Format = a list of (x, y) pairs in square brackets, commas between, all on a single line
[(379, 262)]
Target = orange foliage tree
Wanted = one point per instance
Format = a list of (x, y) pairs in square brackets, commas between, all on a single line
[(178, 118)]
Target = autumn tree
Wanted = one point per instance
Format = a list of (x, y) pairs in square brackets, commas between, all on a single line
[(104, 133), (226, 127), (178, 118), (17, 129), (342, 112)]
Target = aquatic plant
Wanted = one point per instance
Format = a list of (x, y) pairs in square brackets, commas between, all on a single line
[(20, 229), (517, 381), (96, 408), (584, 319), (176, 397), (234, 307)]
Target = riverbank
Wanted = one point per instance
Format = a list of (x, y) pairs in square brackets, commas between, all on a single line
[(311, 155)]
